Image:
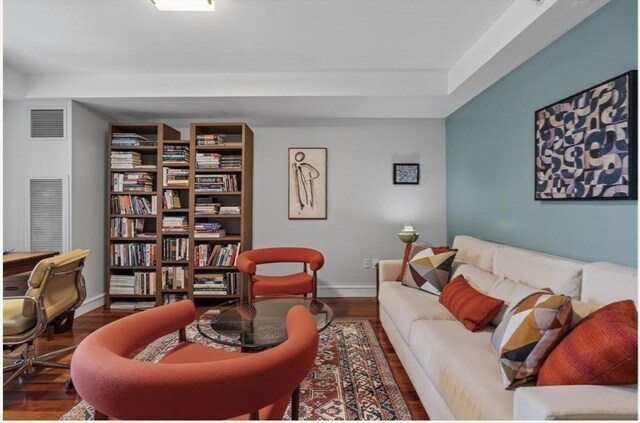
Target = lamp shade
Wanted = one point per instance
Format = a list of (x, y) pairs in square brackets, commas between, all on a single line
[(408, 234)]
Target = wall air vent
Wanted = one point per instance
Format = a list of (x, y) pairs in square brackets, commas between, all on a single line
[(47, 223), (46, 124)]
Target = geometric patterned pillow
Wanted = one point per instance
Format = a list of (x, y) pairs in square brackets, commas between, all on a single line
[(428, 268), (528, 333)]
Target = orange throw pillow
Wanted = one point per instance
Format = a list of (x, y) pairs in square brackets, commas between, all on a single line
[(601, 350), (472, 308)]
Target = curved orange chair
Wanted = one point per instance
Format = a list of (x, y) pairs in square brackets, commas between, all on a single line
[(294, 284), (192, 381)]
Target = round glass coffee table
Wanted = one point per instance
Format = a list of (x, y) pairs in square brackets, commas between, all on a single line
[(258, 324)]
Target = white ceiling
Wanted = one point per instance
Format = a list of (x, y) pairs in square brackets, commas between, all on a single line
[(274, 59)]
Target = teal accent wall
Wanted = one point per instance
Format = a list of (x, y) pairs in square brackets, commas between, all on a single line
[(490, 149)]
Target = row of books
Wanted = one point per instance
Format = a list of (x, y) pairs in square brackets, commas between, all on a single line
[(209, 139), (171, 200), (125, 227), (175, 249), (208, 230), (216, 283), (174, 277), (174, 224), (140, 283), (216, 183), (175, 153), (133, 204), (132, 254), (216, 255), (173, 298), (208, 160), (132, 182), (175, 177), (229, 210), (130, 140), (207, 205), (132, 305), (125, 160)]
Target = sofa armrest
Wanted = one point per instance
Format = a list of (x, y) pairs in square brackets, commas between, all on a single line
[(388, 270), (576, 402)]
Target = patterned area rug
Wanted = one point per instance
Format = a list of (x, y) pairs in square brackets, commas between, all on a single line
[(350, 379)]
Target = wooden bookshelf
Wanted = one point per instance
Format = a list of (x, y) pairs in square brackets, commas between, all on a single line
[(123, 224)]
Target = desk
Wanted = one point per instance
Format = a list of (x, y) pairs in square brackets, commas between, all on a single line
[(20, 262)]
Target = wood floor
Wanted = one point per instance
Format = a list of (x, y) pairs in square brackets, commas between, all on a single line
[(41, 396)]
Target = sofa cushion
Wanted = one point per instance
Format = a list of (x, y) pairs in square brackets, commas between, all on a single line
[(561, 275), (463, 368), (428, 268), (601, 350), (405, 305), (528, 333), (475, 251), (472, 308), (604, 283), (477, 278)]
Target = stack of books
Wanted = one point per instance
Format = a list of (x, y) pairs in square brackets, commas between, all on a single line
[(132, 305), (140, 283), (171, 200), (207, 205), (125, 160), (175, 249), (177, 178), (132, 182), (130, 140), (229, 210), (124, 227), (175, 153), (231, 161), (133, 204), (209, 139), (210, 284), (216, 183), (208, 160), (208, 230), (174, 224), (174, 277)]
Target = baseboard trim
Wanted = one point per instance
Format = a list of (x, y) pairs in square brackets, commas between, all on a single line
[(346, 291), (90, 304)]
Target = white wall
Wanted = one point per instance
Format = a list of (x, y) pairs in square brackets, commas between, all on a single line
[(24, 158), (365, 209), (88, 191)]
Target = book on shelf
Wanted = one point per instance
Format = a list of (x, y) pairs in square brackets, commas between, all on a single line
[(175, 249), (132, 182), (217, 255), (178, 178), (133, 204), (140, 283), (216, 183), (229, 210), (125, 227), (209, 139), (174, 277), (175, 224), (175, 153), (208, 230), (121, 139), (207, 205), (132, 305), (132, 254), (173, 298), (171, 200), (125, 159)]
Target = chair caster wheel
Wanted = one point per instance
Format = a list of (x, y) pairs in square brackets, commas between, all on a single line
[(68, 384)]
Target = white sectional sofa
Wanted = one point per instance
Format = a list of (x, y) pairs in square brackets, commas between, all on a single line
[(456, 373)]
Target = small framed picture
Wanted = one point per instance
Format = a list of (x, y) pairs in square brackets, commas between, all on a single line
[(406, 173)]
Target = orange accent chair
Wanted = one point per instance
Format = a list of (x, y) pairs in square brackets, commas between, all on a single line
[(192, 381), (294, 284)]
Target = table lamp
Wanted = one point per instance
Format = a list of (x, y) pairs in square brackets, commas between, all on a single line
[(406, 235)]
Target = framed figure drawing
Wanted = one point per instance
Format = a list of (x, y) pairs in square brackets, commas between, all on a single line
[(586, 144), (307, 183), (406, 173)]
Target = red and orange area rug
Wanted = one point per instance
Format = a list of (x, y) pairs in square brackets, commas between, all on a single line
[(350, 379)]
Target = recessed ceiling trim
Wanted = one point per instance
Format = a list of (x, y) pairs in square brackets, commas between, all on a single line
[(184, 5)]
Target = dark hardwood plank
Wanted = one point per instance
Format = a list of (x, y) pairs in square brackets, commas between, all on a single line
[(41, 396)]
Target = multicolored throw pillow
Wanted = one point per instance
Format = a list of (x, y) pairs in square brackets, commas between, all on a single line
[(601, 350), (471, 307), (528, 333), (428, 268)]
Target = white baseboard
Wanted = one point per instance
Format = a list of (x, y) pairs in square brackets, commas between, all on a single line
[(90, 304), (346, 291)]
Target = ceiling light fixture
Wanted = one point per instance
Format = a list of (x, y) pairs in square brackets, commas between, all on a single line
[(185, 5)]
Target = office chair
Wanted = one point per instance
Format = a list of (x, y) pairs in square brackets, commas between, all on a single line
[(294, 284), (192, 381), (56, 285)]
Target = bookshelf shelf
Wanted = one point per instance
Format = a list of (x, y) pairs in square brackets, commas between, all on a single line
[(140, 157)]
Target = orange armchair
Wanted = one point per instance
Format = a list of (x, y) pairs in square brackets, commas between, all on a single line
[(294, 284), (192, 381)]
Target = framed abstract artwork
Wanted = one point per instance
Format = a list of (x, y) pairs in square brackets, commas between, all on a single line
[(586, 145), (406, 173), (307, 183)]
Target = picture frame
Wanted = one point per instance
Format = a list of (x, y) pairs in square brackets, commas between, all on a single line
[(406, 173), (307, 193), (586, 144)]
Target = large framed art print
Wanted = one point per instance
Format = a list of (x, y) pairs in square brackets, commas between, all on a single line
[(586, 144)]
